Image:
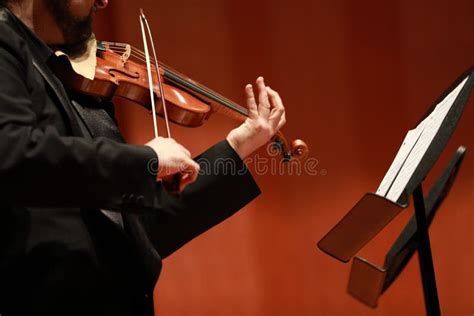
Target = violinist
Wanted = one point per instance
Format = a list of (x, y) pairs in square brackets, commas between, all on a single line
[(84, 219)]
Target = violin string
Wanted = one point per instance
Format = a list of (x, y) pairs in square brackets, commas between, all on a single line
[(138, 54), (230, 108), (216, 98), (202, 89)]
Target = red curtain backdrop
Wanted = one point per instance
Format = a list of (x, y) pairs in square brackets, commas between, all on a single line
[(354, 77)]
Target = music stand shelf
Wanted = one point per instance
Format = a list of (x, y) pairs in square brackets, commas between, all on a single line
[(367, 282)]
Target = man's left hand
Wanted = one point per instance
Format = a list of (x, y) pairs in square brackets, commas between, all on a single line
[(264, 120)]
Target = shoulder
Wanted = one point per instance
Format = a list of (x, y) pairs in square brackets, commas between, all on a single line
[(12, 45)]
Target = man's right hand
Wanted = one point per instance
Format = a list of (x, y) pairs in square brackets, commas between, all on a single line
[(173, 158)]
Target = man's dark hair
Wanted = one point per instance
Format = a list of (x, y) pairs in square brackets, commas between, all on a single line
[(5, 2)]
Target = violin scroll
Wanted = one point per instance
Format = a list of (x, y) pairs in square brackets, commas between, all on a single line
[(299, 149), (279, 145)]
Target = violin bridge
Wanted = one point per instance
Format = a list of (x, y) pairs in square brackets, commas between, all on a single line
[(126, 55)]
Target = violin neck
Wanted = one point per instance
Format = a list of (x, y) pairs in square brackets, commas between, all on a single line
[(218, 103)]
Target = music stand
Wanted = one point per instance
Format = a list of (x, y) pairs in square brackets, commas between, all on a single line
[(373, 212)]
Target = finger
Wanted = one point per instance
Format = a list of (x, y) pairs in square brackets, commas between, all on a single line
[(281, 122), (278, 109), (184, 181), (195, 174), (250, 100), (189, 175), (263, 102)]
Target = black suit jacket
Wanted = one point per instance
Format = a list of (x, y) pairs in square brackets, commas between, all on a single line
[(59, 254)]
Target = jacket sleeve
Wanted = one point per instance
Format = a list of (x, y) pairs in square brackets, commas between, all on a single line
[(224, 186), (41, 168)]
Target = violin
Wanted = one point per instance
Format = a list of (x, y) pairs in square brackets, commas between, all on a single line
[(121, 72)]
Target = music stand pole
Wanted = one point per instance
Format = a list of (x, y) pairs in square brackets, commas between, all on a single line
[(425, 257)]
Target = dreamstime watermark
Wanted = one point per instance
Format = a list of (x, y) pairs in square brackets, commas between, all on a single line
[(272, 164)]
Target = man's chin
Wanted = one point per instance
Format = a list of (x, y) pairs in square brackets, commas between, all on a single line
[(74, 50)]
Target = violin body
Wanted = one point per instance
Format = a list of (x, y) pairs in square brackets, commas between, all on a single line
[(188, 103), (129, 80)]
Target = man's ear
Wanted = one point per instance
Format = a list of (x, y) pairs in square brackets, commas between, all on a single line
[(100, 4)]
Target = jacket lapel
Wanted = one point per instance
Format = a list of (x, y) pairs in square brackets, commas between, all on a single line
[(41, 66), (65, 103)]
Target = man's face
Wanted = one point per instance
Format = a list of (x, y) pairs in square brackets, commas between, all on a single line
[(74, 18)]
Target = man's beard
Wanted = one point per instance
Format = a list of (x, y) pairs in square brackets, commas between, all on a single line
[(76, 31)]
